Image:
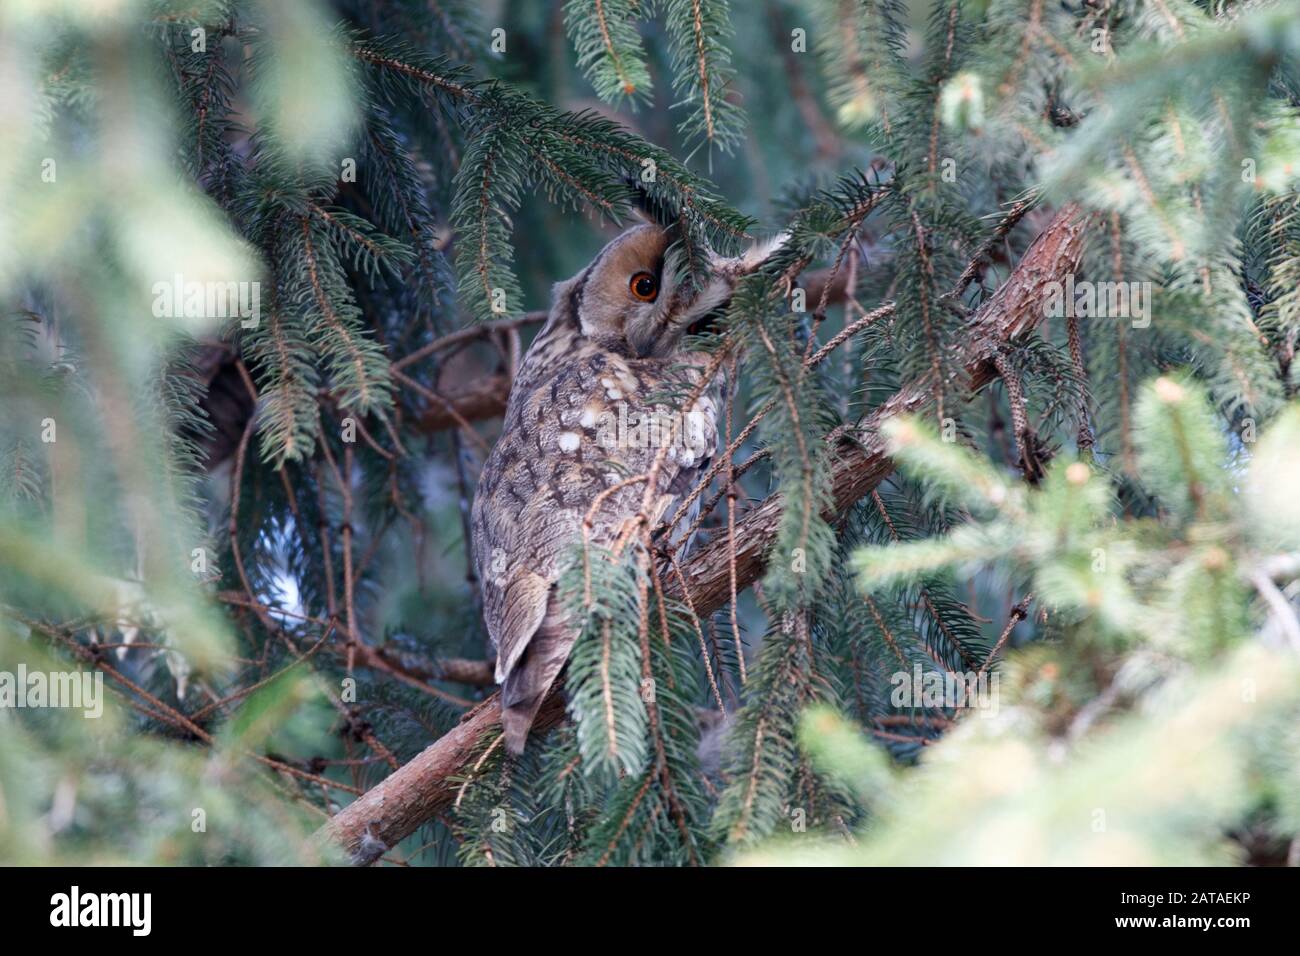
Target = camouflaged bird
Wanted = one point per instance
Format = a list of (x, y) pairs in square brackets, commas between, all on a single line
[(582, 417)]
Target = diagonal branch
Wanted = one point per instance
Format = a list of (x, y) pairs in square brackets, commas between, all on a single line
[(409, 797)]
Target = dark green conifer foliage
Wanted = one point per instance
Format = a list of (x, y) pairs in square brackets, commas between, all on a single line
[(256, 525)]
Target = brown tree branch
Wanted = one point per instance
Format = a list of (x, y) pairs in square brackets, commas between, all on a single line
[(460, 670), (861, 463), (394, 808), (483, 398)]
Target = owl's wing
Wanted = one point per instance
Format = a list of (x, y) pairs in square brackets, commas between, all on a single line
[(532, 643), (522, 608), (539, 662), (527, 513)]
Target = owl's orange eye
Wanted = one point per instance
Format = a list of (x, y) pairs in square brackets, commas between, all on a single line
[(644, 286)]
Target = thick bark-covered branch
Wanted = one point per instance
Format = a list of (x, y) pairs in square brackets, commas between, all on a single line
[(422, 788), (861, 465), (483, 398)]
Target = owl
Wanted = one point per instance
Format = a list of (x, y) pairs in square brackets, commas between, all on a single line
[(587, 410)]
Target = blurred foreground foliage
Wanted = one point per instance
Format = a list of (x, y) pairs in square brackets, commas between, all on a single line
[(253, 525)]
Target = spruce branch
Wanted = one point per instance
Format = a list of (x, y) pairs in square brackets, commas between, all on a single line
[(608, 44), (393, 809)]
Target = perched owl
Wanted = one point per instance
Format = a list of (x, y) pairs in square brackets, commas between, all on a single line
[(580, 419)]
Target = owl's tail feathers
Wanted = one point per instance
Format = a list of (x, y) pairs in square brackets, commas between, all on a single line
[(517, 720), (528, 683)]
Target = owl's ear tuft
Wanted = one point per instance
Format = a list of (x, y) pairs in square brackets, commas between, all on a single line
[(647, 208), (760, 251), (752, 259), (640, 217)]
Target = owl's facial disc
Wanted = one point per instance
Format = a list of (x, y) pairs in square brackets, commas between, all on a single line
[(619, 288), (683, 308), (687, 309), (635, 300)]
